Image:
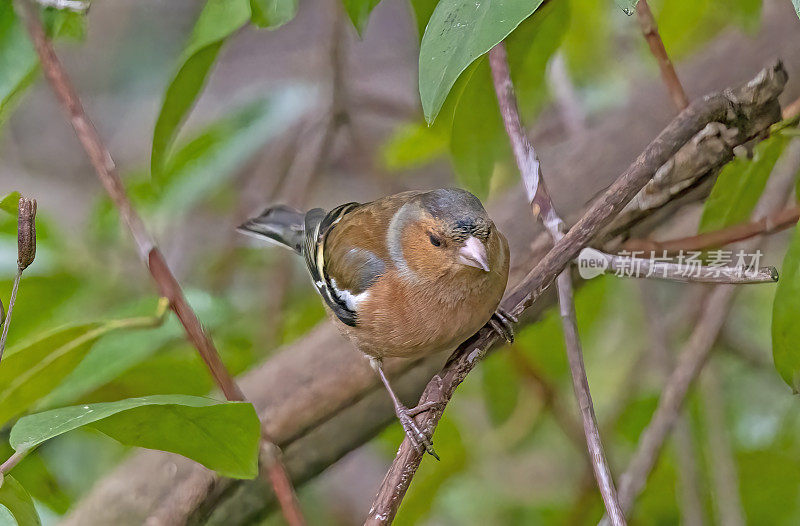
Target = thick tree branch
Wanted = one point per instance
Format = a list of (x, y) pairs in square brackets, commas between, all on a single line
[(530, 171), (168, 286), (650, 31)]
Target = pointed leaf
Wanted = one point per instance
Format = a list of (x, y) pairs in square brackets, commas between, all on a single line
[(459, 32), (17, 503), (739, 185), (423, 9), (218, 20), (272, 14), (222, 436), (785, 329)]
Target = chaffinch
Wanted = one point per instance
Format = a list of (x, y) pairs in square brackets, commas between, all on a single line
[(406, 275)]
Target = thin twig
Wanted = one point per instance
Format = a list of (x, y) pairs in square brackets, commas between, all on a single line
[(12, 461), (753, 106), (7, 321), (650, 31), (653, 268), (776, 222), (566, 98), (530, 171), (168, 286)]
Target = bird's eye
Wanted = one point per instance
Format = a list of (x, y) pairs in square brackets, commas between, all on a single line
[(435, 241)]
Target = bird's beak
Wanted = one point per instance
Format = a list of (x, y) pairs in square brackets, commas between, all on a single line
[(473, 253)]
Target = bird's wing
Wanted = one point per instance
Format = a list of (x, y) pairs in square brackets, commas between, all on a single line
[(317, 225)]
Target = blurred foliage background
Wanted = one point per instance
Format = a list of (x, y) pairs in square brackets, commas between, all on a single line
[(313, 114)]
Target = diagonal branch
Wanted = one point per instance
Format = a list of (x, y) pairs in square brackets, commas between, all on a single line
[(168, 286), (530, 171)]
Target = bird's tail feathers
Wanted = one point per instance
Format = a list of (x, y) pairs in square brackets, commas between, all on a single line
[(279, 224)]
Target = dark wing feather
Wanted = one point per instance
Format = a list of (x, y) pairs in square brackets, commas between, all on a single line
[(317, 224)]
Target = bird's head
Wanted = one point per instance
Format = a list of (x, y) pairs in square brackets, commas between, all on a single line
[(446, 231)]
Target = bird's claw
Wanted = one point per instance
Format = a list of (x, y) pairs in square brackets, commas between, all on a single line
[(419, 440), (501, 322)]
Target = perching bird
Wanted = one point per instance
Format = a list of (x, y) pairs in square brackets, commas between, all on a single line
[(407, 275)]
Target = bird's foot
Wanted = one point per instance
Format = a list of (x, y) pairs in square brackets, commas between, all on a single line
[(501, 322), (419, 440)]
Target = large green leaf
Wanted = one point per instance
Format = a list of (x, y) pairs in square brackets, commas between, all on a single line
[(272, 14), (218, 20), (16, 504), (796, 4), (785, 329), (31, 370), (222, 436), (459, 32), (359, 11), (739, 186), (10, 202)]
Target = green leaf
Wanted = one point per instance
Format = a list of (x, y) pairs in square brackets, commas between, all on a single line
[(272, 14), (785, 329), (796, 4), (739, 185), (16, 501), (412, 145), (18, 60), (459, 32), (32, 370), (222, 436), (10, 203), (29, 371), (359, 11), (218, 20)]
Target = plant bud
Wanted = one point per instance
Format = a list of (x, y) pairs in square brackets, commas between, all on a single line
[(26, 233)]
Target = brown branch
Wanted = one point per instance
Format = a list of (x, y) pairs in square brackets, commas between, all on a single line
[(776, 222), (652, 268), (168, 286), (650, 31), (543, 208)]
